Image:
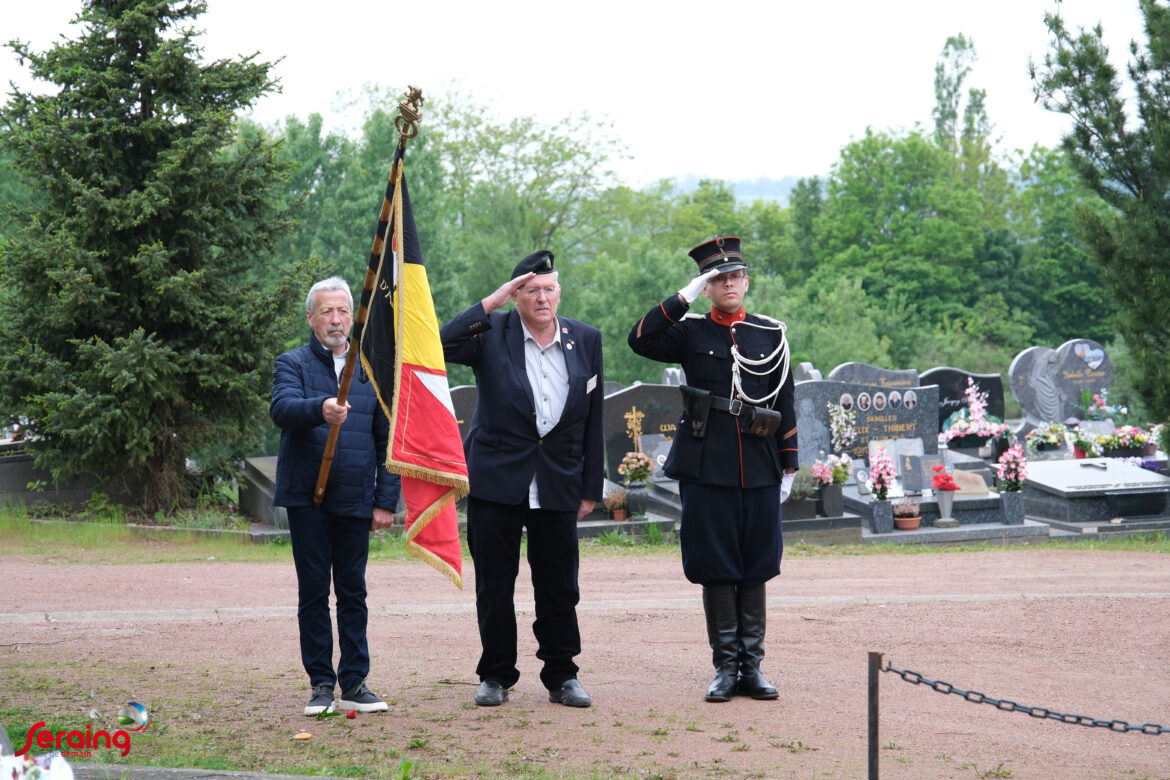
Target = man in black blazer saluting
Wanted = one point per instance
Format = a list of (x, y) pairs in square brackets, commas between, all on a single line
[(534, 459)]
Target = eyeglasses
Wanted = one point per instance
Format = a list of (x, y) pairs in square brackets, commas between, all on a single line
[(534, 292), (733, 278)]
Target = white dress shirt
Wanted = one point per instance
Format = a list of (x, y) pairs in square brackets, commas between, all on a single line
[(549, 378)]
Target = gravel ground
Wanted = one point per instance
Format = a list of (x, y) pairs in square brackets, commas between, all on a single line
[(212, 648)]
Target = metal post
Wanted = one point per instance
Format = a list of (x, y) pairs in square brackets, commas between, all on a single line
[(875, 666)]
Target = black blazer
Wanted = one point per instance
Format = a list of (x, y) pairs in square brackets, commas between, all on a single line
[(503, 447)]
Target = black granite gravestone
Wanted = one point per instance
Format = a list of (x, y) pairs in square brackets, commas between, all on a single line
[(638, 410), (463, 401), (909, 413), (952, 390)]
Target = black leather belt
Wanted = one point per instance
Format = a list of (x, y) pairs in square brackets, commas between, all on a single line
[(732, 406)]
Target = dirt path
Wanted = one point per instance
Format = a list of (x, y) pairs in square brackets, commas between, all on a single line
[(212, 648)]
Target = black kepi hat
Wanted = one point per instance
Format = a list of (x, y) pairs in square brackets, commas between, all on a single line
[(540, 262), (722, 253)]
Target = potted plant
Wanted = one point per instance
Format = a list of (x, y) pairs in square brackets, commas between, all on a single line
[(1128, 441), (944, 487), (800, 505), (1011, 472), (635, 469), (906, 514), (615, 502), (830, 475), (882, 475), (1047, 436), (1085, 443)]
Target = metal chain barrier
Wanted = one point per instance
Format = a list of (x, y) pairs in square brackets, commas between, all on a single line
[(1007, 705)]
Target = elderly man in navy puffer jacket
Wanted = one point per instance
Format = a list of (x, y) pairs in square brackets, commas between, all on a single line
[(333, 539)]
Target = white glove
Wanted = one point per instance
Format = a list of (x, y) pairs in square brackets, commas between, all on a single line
[(786, 486), (695, 287)]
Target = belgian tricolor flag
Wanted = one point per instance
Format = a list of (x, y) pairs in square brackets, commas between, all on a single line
[(402, 354)]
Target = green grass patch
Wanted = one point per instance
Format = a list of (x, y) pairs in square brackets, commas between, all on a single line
[(77, 538)]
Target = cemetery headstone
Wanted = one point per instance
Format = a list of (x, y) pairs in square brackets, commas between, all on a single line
[(610, 387), (970, 483), (913, 416), (1048, 383), (805, 372), (865, 374), (657, 446), (463, 402), (917, 471), (636, 411), (673, 375), (1093, 490), (952, 390)]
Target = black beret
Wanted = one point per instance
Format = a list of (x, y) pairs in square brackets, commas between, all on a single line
[(722, 253), (538, 263)]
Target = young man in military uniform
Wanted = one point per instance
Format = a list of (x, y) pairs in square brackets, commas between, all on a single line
[(734, 454)]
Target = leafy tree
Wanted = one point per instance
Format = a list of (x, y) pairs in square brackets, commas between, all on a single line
[(135, 339), (513, 187), (1127, 163), (968, 138), (898, 215), (1063, 286), (805, 203), (834, 323), (958, 57)]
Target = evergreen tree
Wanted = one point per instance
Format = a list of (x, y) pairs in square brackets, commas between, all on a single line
[(1128, 164), (133, 341)]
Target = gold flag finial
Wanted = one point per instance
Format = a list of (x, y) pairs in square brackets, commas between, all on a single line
[(409, 112)]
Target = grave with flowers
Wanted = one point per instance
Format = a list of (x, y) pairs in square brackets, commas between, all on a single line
[(972, 427)]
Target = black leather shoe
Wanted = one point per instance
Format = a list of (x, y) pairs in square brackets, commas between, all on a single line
[(491, 694), (570, 694)]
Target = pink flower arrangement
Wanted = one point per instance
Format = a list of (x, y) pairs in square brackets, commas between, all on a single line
[(833, 470), (1013, 468), (973, 419), (881, 472)]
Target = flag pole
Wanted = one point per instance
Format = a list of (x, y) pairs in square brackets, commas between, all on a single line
[(409, 114)]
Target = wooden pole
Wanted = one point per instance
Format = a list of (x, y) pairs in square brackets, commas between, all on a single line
[(409, 114)]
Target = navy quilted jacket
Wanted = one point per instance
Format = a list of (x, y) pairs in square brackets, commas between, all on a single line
[(358, 480)]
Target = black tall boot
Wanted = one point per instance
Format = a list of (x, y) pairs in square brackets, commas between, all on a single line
[(719, 606), (752, 606)]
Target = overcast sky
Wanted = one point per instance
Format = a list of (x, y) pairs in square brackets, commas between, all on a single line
[(729, 89)]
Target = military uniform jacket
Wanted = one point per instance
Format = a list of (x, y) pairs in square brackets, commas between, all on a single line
[(702, 345), (503, 447)]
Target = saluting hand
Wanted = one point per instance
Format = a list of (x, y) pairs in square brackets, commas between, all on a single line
[(695, 287), (504, 294)]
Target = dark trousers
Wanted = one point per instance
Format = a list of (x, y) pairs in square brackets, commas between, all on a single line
[(493, 536), (325, 544), (730, 535)]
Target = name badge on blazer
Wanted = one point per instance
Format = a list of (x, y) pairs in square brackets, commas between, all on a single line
[(591, 385)]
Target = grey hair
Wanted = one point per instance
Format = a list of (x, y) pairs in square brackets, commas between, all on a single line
[(332, 283)]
